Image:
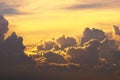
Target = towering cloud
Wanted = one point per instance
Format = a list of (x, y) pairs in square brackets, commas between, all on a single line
[(89, 34), (3, 28), (12, 48), (15, 42)]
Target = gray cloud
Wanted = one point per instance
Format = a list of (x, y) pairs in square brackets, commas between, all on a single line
[(3, 27), (11, 48), (54, 57), (85, 6), (69, 59), (48, 45), (89, 34), (89, 54), (93, 4), (66, 41), (116, 30), (9, 9), (60, 43)]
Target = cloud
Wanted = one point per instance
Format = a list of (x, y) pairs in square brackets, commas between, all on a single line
[(54, 57), (65, 42), (8, 9), (11, 48), (109, 50), (116, 30), (60, 43), (95, 46), (3, 27), (93, 4), (89, 34), (85, 6), (88, 54), (48, 45), (15, 42)]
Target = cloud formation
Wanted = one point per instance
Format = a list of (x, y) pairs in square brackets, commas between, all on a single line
[(88, 54), (95, 45), (66, 41), (89, 34), (116, 30), (84, 6), (9, 9), (3, 28), (93, 4), (60, 43), (54, 57), (48, 45), (62, 57), (12, 48)]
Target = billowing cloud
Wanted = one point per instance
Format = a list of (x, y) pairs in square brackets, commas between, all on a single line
[(89, 34), (54, 57), (12, 48), (66, 41), (109, 50), (60, 43), (48, 45), (89, 54), (61, 57), (3, 27)]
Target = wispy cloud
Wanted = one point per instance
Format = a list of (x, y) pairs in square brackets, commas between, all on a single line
[(85, 6), (93, 4), (9, 9)]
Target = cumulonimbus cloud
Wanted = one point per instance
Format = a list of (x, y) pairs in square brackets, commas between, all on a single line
[(11, 48)]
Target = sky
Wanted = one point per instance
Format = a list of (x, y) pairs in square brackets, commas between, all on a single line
[(56, 40), (41, 19)]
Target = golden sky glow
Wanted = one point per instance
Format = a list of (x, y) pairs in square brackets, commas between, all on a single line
[(39, 19)]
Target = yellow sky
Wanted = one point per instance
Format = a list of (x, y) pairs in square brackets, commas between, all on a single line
[(45, 18)]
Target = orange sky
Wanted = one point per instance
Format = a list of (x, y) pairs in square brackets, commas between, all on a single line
[(40, 19)]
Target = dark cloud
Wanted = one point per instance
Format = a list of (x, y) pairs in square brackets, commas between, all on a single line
[(93, 4), (89, 54), (9, 9), (116, 30), (60, 59), (65, 42), (15, 42), (54, 57), (12, 48), (85, 6), (60, 43), (3, 27), (89, 34), (109, 50), (48, 45)]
